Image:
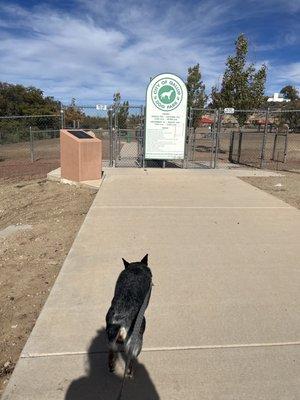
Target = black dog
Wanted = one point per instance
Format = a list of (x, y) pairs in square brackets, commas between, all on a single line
[(131, 289)]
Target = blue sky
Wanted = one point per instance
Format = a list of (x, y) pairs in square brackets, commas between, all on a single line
[(88, 49)]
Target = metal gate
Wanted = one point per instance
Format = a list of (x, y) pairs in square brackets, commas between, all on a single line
[(127, 135), (202, 139), (127, 138)]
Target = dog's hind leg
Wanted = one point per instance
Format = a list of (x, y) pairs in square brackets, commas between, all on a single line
[(136, 350), (129, 372), (112, 358)]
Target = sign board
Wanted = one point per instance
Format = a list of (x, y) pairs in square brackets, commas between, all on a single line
[(102, 107), (228, 110), (166, 110)]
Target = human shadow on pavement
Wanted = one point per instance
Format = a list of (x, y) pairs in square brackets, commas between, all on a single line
[(100, 384)]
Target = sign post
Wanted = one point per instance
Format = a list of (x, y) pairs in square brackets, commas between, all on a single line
[(166, 108)]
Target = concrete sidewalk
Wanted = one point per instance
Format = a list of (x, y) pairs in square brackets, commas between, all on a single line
[(223, 321)]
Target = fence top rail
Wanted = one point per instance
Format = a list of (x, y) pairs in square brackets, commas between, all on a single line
[(264, 110), (92, 107), (109, 106), (203, 109), (254, 110), (124, 106), (283, 111), (44, 130), (28, 116)]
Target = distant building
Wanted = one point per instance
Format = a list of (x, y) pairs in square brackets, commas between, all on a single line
[(205, 121), (277, 98)]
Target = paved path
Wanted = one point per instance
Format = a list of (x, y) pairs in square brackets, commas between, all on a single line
[(223, 322)]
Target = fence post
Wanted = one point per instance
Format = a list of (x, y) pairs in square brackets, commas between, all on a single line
[(62, 123), (110, 130), (230, 159), (187, 137), (240, 146), (263, 147), (31, 138), (285, 147), (217, 138), (274, 146), (143, 134)]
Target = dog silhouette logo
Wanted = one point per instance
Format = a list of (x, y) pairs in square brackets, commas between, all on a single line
[(167, 94)]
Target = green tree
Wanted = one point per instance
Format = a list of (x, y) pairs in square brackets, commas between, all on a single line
[(242, 86), (117, 98), (290, 92), (292, 118), (123, 115), (21, 100), (73, 115), (196, 93), (18, 100), (195, 88), (122, 110)]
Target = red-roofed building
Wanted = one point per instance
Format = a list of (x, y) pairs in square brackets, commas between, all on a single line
[(204, 120)]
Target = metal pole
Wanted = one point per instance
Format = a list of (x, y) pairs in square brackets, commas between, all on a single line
[(187, 139), (185, 164), (61, 118), (263, 147), (110, 130), (117, 135), (192, 129), (230, 155), (274, 146), (217, 138), (240, 146), (31, 144), (285, 148), (114, 147), (143, 134)]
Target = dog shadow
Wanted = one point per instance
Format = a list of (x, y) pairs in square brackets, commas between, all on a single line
[(100, 384)]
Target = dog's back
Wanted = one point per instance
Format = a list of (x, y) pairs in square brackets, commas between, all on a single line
[(131, 289)]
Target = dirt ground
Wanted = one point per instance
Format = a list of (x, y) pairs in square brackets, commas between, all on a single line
[(15, 159), (286, 187), (200, 149), (31, 259)]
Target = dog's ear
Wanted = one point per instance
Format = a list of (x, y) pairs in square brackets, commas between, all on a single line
[(126, 263), (145, 260)]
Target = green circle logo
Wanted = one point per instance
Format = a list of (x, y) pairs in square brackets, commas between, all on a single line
[(167, 94)]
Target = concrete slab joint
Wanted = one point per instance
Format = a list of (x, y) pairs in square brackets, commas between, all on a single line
[(223, 321)]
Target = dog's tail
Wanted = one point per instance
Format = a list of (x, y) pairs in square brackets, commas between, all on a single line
[(116, 333)]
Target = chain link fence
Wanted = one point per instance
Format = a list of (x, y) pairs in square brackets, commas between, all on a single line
[(28, 139), (268, 138), (127, 135), (201, 141), (29, 145)]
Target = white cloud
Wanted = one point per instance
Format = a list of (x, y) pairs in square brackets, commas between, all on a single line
[(281, 75), (105, 46), (70, 56), (289, 72)]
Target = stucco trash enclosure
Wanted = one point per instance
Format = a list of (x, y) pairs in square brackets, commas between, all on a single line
[(80, 155)]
